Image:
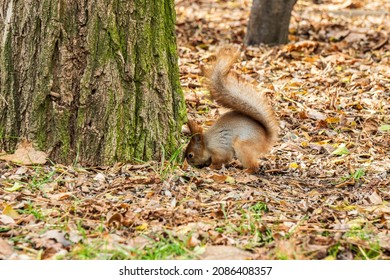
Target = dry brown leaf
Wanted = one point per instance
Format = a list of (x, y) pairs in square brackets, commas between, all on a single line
[(384, 240), (9, 211), (6, 249), (302, 46), (58, 236), (99, 177), (74, 236), (375, 198), (61, 196), (185, 165), (316, 115), (6, 220), (193, 241), (116, 218), (370, 126), (226, 253), (218, 178), (25, 154)]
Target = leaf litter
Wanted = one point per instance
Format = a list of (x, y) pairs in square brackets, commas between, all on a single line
[(322, 193)]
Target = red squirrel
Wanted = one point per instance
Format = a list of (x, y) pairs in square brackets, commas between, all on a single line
[(247, 131)]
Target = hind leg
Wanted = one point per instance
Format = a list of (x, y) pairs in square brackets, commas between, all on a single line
[(247, 153)]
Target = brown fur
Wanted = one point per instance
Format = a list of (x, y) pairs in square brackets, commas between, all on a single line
[(248, 131)]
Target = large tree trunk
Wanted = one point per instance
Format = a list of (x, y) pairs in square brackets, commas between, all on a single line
[(269, 22), (90, 80)]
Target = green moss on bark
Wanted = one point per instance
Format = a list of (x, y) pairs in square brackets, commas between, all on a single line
[(114, 77)]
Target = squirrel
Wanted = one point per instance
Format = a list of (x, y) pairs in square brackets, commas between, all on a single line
[(245, 132)]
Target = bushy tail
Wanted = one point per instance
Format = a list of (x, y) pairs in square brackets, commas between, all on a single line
[(231, 91)]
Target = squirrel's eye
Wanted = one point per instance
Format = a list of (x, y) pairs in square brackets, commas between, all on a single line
[(190, 155)]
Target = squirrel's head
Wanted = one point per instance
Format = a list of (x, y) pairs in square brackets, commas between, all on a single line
[(196, 152)]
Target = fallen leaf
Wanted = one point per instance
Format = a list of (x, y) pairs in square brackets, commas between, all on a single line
[(384, 240), (74, 236), (25, 154), (116, 218), (230, 180), (100, 177), (6, 220), (356, 223), (218, 178), (61, 196), (226, 253), (332, 120), (10, 212), (21, 170), (193, 241), (6, 249), (17, 186), (341, 150), (375, 198), (142, 227), (302, 46), (384, 127), (370, 126), (185, 165), (316, 115), (58, 236)]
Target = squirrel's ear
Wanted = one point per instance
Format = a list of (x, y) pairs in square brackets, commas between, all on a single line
[(194, 127)]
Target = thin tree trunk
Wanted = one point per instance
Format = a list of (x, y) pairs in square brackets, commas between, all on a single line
[(269, 22), (92, 81)]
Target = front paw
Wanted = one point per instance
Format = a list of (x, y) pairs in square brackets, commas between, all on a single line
[(252, 170), (215, 166)]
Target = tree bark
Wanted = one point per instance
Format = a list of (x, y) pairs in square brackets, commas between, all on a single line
[(269, 22), (92, 81)]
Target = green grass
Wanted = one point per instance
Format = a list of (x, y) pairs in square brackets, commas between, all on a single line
[(282, 256), (356, 175), (258, 209), (97, 249), (371, 253), (41, 177), (363, 253), (4, 229), (35, 180), (166, 167), (333, 251), (249, 225), (369, 248), (35, 211), (362, 243), (159, 248), (165, 248)]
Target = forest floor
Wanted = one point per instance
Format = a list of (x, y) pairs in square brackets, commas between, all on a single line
[(322, 193)]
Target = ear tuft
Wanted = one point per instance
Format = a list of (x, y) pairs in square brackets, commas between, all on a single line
[(194, 127)]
